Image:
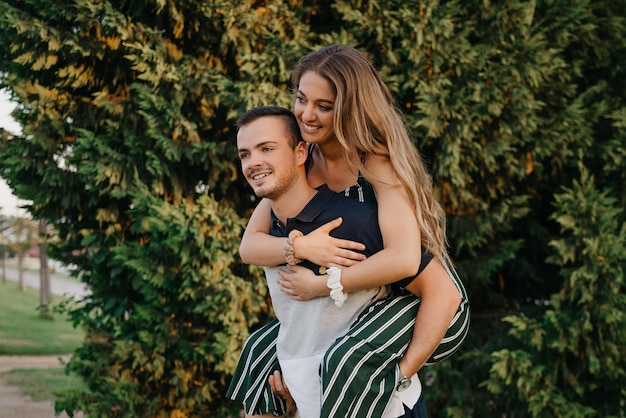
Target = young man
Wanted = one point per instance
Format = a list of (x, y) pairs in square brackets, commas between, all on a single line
[(273, 157)]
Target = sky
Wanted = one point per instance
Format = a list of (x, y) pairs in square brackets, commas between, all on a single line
[(8, 202)]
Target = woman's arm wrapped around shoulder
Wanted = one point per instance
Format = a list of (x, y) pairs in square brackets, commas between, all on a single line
[(260, 248)]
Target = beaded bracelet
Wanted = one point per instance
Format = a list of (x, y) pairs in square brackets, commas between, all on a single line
[(290, 258)]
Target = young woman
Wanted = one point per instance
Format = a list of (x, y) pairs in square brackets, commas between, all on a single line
[(360, 143)]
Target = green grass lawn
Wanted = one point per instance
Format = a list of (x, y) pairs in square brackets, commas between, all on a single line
[(41, 384), (23, 331)]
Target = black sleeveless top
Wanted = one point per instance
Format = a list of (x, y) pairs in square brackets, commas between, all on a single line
[(363, 191)]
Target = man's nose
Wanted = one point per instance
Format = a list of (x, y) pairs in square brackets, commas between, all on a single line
[(255, 160)]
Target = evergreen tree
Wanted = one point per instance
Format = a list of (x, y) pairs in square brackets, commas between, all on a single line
[(127, 149)]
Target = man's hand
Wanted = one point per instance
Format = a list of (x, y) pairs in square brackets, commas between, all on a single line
[(300, 283), (278, 386)]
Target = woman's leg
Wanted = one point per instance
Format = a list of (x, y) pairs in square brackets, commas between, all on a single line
[(358, 371), (256, 363)]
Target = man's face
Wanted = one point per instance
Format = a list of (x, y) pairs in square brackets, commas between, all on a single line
[(268, 162)]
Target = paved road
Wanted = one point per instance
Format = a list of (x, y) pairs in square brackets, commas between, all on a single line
[(59, 285)]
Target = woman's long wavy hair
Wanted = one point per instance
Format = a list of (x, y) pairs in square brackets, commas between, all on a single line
[(367, 122)]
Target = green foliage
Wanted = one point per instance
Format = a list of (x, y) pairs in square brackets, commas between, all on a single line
[(127, 111), (179, 337), (570, 361)]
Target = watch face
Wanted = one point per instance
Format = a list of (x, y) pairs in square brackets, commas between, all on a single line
[(403, 385)]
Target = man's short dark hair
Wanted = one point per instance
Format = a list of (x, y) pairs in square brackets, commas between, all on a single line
[(289, 119)]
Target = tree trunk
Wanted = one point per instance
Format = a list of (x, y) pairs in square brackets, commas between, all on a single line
[(44, 274), (20, 270), (4, 265), (3, 246)]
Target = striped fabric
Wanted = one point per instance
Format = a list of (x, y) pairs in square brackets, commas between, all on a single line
[(359, 370), (256, 363), (459, 326)]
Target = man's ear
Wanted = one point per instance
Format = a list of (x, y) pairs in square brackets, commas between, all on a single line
[(302, 152)]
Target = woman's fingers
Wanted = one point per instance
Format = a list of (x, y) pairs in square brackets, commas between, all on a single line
[(329, 226), (345, 258), (347, 245)]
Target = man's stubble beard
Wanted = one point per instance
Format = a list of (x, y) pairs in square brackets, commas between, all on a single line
[(282, 185)]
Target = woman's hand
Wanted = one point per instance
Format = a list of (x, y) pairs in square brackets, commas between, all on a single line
[(320, 248), (302, 284)]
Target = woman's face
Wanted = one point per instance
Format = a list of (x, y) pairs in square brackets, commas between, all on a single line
[(314, 108)]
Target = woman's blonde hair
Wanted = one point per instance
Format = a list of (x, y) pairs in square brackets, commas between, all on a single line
[(366, 122)]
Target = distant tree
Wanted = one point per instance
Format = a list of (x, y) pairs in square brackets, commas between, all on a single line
[(23, 238)]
